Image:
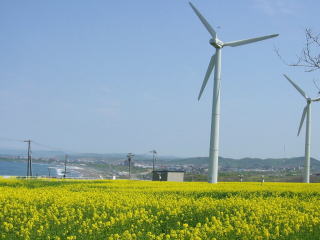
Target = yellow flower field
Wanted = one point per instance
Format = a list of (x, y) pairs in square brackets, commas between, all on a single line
[(77, 209)]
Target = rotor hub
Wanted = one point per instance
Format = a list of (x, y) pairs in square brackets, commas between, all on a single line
[(216, 43)]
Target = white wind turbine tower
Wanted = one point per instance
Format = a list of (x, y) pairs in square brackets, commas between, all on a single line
[(216, 62), (306, 112)]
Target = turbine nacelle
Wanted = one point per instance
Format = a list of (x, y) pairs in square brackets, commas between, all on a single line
[(216, 43)]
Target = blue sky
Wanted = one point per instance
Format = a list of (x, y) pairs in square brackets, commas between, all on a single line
[(123, 76)]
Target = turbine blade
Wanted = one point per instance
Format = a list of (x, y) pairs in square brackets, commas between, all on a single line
[(316, 100), (208, 73), (247, 41), (302, 118), (204, 22), (296, 87)]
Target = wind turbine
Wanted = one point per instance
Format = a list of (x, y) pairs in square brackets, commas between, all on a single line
[(215, 61), (306, 112)]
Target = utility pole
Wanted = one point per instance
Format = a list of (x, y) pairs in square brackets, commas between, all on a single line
[(130, 156), (154, 153), (65, 166), (29, 165), (241, 177)]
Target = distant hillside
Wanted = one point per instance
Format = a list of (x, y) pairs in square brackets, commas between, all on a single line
[(251, 163)]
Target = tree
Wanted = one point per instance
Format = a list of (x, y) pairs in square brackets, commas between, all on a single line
[(309, 57)]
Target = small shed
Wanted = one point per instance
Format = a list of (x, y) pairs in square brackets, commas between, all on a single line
[(168, 175)]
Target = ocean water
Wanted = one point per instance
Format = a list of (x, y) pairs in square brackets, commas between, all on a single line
[(19, 168)]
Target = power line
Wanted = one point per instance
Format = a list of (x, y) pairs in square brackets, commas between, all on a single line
[(10, 139), (36, 143), (51, 147)]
